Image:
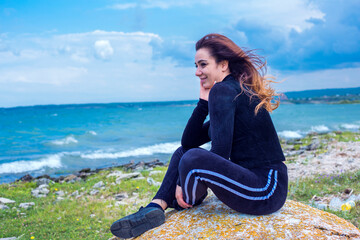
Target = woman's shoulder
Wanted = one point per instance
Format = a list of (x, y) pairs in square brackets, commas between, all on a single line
[(223, 88)]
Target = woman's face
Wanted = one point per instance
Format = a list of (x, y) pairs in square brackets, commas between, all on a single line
[(207, 69)]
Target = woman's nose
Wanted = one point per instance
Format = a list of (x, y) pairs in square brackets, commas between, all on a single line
[(198, 72)]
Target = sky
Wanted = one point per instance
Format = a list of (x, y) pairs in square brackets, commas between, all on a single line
[(87, 51)]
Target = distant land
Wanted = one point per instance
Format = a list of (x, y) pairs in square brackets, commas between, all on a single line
[(330, 96)]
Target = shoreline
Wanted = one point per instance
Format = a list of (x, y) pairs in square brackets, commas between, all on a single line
[(315, 153)]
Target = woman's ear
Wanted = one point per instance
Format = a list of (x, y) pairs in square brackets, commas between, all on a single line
[(224, 64)]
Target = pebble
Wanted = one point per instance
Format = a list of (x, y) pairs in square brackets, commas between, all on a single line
[(99, 184), (26, 205), (121, 196), (151, 181), (43, 181), (6, 200), (3, 207), (94, 192), (60, 193)]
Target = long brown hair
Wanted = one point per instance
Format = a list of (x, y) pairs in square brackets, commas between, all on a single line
[(244, 65)]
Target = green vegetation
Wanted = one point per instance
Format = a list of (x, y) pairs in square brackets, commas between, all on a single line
[(90, 216), (325, 186), (86, 217)]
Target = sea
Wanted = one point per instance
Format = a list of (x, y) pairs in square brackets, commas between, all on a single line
[(61, 139)]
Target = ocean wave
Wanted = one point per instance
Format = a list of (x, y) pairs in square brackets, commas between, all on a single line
[(350, 126), (149, 150), (65, 141), (290, 134), (52, 161), (92, 133), (320, 128)]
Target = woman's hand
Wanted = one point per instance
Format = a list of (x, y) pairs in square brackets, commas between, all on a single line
[(204, 92), (180, 199)]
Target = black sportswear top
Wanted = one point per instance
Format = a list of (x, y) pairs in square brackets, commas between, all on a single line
[(234, 130)]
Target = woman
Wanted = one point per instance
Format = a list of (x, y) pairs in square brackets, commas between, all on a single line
[(244, 167)]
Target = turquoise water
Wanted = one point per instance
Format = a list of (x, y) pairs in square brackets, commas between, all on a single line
[(58, 140)]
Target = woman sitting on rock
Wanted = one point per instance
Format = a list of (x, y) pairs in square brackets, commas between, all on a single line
[(244, 167)]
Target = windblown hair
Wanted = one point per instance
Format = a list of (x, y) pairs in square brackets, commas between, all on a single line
[(244, 65)]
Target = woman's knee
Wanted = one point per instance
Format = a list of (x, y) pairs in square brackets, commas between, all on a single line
[(192, 159)]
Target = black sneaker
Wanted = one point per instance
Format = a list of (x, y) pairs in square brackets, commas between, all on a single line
[(137, 223)]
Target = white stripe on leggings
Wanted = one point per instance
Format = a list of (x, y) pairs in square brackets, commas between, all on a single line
[(230, 181)]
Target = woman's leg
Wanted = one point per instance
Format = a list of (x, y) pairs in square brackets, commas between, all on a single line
[(151, 216), (166, 192), (253, 191)]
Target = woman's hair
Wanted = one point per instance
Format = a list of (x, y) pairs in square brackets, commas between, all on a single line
[(246, 66)]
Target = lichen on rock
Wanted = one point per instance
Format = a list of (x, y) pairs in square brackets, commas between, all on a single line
[(214, 220)]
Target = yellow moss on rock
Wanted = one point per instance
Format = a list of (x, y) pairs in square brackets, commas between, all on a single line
[(214, 220)]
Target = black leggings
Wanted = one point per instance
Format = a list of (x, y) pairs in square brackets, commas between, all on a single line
[(256, 191)]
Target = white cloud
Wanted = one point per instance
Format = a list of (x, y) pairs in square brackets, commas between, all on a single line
[(64, 69), (330, 78), (103, 49)]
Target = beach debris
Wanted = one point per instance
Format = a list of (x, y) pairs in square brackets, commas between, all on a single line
[(26, 205), (99, 184), (151, 181), (6, 200), (347, 206)]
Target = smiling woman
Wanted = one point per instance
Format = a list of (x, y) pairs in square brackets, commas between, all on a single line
[(244, 167)]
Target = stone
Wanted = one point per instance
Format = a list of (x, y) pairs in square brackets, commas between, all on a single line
[(214, 220), (127, 176), (26, 178), (43, 181), (85, 170), (60, 193), (99, 184), (151, 181), (5, 200), (26, 205), (40, 191), (74, 194), (121, 196), (70, 177), (3, 207), (9, 238), (94, 192), (154, 172)]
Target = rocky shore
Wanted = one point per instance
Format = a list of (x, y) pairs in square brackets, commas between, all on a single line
[(102, 195)]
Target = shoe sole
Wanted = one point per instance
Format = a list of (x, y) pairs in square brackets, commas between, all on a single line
[(126, 228)]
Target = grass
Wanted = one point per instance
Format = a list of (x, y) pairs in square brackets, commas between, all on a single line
[(328, 185), (89, 217)]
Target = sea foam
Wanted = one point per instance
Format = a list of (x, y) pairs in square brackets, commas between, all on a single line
[(52, 161), (149, 150), (65, 141), (350, 126), (290, 134), (320, 128)]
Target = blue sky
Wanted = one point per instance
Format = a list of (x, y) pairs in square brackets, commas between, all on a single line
[(87, 51)]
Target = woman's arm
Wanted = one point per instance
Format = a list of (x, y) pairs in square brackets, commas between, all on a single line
[(196, 131), (222, 108)]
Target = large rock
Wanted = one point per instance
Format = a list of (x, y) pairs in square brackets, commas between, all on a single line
[(214, 220)]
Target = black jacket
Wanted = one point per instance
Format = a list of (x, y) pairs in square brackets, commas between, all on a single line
[(234, 130)]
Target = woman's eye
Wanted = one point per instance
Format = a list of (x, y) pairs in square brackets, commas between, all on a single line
[(203, 64)]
